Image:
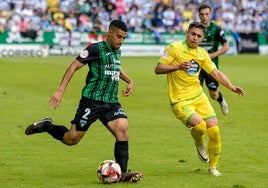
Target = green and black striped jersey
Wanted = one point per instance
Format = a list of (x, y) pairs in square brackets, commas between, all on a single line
[(104, 70), (214, 36)]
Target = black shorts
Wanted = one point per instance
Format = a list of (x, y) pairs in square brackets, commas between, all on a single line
[(211, 83), (89, 111)]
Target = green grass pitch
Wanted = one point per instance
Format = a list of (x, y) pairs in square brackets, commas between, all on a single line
[(160, 146)]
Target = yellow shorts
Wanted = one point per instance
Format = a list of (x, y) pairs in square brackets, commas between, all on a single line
[(200, 105)]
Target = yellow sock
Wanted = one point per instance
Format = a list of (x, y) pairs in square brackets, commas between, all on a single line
[(214, 145), (198, 133)]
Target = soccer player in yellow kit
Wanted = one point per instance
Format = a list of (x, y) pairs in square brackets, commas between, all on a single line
[(182, 62)]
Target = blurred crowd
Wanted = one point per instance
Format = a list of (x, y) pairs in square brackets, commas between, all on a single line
[(31, 16)]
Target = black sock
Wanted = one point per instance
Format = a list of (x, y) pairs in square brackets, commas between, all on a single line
[(56, 131), (121, 154), (220, 98)]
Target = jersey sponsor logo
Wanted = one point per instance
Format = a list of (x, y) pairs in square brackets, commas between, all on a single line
[(194, 68), (84, 54), (114, 74), (113, 70), (113, 66), (206, 44)]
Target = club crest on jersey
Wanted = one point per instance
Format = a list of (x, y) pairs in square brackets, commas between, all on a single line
[(84, 54), (194, 68), (83, 123)]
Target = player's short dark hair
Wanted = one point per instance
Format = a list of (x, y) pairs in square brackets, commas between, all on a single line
[(203, 6), (118, 24), (197, 25)]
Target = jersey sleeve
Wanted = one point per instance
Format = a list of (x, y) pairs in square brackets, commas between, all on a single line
[(90, 53), (167, 56), (207, 63), (220, 35)]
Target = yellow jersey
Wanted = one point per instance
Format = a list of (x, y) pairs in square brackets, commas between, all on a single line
[(184, 85)]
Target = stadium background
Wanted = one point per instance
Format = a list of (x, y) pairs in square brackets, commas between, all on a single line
[(40, 162), (54, 27)]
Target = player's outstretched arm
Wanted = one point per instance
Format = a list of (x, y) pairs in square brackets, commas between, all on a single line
[(56, 98), (238, 90), (224, 48), (223, 80)]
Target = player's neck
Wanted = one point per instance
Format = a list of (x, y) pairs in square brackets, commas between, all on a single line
[(207, 24)]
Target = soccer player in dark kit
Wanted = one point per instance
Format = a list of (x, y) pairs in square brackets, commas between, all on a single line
[(213, 38), (99, 98)]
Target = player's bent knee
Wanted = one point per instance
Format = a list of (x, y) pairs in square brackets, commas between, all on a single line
[(70, 142), (214, 95)]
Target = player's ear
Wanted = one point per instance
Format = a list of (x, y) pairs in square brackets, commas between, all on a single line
[(110, 32)]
